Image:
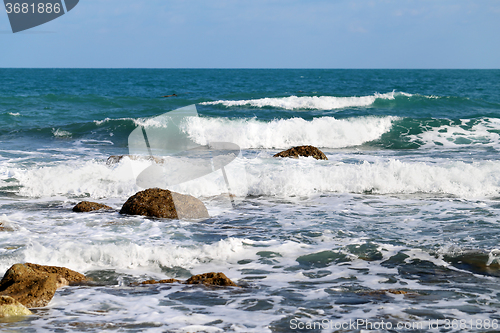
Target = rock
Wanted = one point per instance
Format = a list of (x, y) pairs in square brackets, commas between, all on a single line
[(212, 279), (34, 285), (208, 279), (117, 158), (155, 202), (87, 206), (9, 307), (385, 291), (161, 281), (306, 151)]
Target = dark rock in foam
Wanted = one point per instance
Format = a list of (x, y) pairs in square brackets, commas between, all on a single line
[(305, 151)]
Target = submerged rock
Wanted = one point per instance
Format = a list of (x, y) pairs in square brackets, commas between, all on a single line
[(87, 206), (155, 202), (9, 307), (208, 279), (212, 279), (305, 151), (34, 285), (161, 281)]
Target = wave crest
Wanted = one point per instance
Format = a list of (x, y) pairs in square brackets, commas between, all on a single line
[(284, 133), (311, 102)]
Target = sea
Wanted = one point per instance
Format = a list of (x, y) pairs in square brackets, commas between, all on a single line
[(398, 231)]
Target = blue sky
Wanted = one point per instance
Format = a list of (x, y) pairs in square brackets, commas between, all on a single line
[(261, 34)]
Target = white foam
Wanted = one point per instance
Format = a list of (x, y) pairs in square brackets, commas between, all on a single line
[(272, 177), (76, 178), (285, 133), (96, 252), (484, 133), (59, 133), (306, 177), (310, 102)]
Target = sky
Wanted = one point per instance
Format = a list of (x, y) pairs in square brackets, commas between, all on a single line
[(261, 34)]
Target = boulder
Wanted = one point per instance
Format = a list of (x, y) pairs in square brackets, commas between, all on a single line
[(305, 151), (155, 202), (34, 285), (212, 279), (87, 206), (9, 307)]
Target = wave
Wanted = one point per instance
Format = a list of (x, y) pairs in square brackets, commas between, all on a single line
[(266, 176), (285, 133), (386, 132), (431, 133), (311, 102)]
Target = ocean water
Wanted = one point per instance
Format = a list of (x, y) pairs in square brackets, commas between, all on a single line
[(397, 232)]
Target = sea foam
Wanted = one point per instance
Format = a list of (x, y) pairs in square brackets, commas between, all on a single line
[(327, 132), (276, 177), (310, 102)]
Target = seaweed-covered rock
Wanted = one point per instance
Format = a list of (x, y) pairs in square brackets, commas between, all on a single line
[(155, 202), (212, 279), (34, 285), (87, 206), (9, 307), (305, 151)]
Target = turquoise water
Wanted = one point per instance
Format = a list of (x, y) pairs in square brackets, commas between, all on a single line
[(408, 200)]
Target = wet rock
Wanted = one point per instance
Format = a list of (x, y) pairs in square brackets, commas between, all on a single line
[(9, 307), (387, 291), (208, 279), (155, 202), (117, 158), (161, 281), (34, 285), (211, 279), (305, 151), (87, 206)]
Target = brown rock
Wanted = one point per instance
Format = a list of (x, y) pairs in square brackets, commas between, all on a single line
[(385, 291), (212, 279), (9, 307), (161, 281), (34, 285), (87, 206), (155, 202), (305, 151)]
